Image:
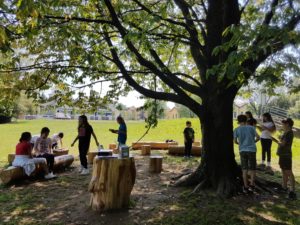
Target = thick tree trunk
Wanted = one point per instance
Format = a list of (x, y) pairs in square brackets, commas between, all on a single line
[(218, 168)]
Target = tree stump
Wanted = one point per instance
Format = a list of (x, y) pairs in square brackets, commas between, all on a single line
[(10, 158), (145, 149), (91, 156), (196, 143), (155, 164), (112, 146), (112, 182)]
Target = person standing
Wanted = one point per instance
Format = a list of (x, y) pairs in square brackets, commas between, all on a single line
[(267, 128), (250, 119), (284, 152), (122, 131), (246, 137), (42, 148), (189, 136), (85, 131)]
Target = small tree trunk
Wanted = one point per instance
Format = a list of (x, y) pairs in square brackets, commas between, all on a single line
[(218, 168)]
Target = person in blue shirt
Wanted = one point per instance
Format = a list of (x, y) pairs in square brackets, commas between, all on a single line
[(122, 131), (246, 137)]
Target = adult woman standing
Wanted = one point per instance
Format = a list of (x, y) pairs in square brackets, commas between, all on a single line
[(267, 128), (85, 130), (24, 157)]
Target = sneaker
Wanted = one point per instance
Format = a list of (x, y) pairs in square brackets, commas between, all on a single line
[(80, 169), (50, 176), (292, 195), (85, 171), (245, 190)]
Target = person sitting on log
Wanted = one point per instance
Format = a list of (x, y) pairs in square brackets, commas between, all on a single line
[(42, 148), (57, 138), (122, 131), (33, 139), (24, 157)]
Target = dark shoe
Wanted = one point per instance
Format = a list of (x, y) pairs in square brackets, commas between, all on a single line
[(245, 190), (292, 195)]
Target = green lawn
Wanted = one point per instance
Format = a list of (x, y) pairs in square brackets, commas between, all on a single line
[(166, 129)]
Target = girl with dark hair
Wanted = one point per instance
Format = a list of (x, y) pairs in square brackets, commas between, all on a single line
[(267, 128), (122, 131), (24, 158), (250, 119), (85, 131)]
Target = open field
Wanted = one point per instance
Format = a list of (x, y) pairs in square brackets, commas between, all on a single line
[(65, 200)]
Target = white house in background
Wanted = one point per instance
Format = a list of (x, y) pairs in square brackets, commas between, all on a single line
[(172, 113), (239, 107)]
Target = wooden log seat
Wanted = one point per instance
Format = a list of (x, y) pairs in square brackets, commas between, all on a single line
[(58, 152), (112, 146), (179, 150), (145, 149), (196, 143), (112, 182), (155, 164), (154, 144), (91, 155), (14, 173)]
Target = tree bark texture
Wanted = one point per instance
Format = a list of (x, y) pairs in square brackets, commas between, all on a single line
[(112, 182)]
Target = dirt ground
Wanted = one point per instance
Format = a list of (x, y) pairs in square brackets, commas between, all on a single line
[(65, 200)]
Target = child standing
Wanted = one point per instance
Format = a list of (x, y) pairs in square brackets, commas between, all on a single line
[(267, 128), (245, 136), (285, 156), (189, 136)]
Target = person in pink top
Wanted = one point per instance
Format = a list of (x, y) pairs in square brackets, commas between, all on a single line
[(24, 158)]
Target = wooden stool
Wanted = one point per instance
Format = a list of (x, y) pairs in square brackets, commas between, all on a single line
[(155, 164), (112, 146), (112, 182), (10, 158), (91, 156), (196, 143), (145, 149)]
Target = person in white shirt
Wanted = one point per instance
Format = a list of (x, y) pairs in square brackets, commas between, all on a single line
[(267, 128), (57, 140)]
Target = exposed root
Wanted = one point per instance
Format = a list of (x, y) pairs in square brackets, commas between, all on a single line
[(190, 179), (202, 185)]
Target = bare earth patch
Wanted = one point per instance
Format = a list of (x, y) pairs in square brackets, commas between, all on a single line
[(65, 200)]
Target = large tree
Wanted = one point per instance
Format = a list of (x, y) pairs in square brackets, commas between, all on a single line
[(173, 50)]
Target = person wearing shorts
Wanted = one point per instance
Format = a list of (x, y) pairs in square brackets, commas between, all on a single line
[(284, 152), (246, 137)]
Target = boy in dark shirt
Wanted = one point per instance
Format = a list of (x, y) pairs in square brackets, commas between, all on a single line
[(284, 152), (189, 136)]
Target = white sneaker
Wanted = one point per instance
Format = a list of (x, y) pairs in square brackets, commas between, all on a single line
[(50, 176), (80, 169), (85, 171)]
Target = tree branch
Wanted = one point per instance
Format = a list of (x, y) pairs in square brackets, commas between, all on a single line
[(269, 15), (80, 19)]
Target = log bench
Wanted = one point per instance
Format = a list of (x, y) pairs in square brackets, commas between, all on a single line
[(112, 182), (179, 150), (154, 144), (56, 152), (13, 173)]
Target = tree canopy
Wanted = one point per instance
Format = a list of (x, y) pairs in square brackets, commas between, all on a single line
[(195, 53)]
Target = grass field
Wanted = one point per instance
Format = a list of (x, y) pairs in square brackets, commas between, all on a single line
[(166, 129), (65, 200)]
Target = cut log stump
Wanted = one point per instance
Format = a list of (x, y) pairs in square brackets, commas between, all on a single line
[(15, 173), (155, 164), (112, 146), (145, 149), (112, 182), (179, 150)]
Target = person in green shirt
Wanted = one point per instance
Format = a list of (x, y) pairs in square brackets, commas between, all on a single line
[(189, 136), (284, 152)]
